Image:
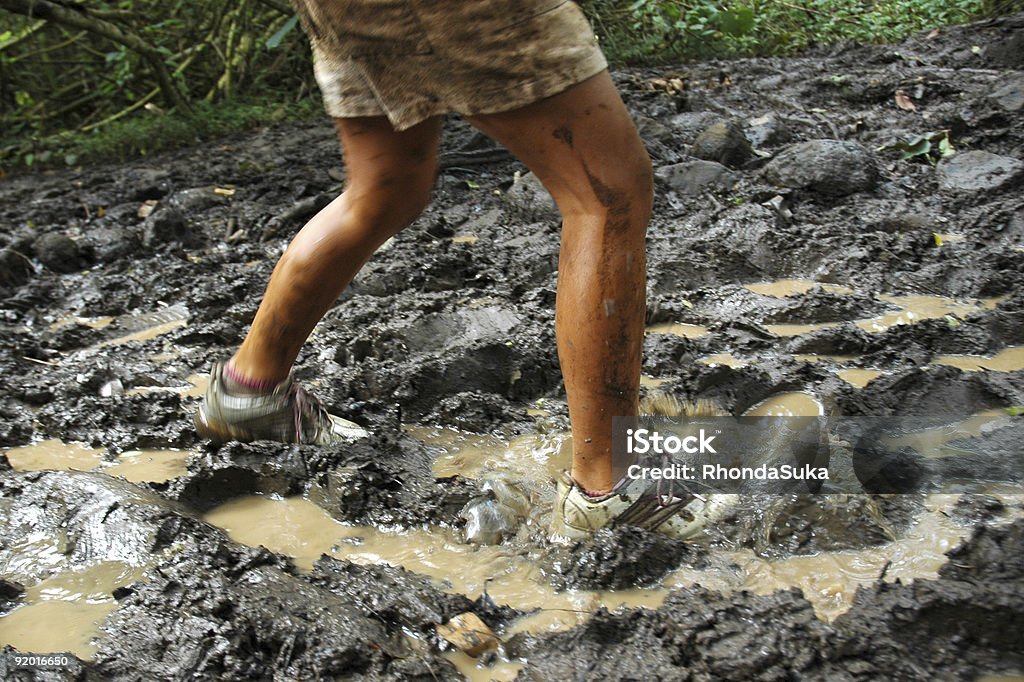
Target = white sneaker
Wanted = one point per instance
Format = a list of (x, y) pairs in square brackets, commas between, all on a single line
[(577, 516)]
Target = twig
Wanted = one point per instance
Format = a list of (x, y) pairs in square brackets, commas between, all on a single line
[(48, 363)]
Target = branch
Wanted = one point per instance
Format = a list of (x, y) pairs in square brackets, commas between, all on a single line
[(44, 9)]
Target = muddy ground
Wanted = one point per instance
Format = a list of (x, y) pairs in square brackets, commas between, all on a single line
[(767, 169)]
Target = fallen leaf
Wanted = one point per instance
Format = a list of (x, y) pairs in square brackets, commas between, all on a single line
[(224, 191), (904, 102)]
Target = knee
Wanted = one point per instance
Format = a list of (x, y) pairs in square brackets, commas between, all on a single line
[(612, 190), (390, 204)]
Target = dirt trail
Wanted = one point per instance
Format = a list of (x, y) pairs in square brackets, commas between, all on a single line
[(789, 252)]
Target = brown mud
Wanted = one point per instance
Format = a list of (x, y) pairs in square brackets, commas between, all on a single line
[(813, 265)]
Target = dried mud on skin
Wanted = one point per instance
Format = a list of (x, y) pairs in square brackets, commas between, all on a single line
[(452, 324)]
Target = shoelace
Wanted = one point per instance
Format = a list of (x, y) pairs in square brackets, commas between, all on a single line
[(307, 407)]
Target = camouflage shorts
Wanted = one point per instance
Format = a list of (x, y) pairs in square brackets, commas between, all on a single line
[(413, 59)]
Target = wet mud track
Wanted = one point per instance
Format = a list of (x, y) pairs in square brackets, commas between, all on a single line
[(787, 254)]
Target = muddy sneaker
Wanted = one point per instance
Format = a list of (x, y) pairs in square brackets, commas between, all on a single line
[(288, 414), (578, 515)]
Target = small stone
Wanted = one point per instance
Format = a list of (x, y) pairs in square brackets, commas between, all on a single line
[(693, 177), (109, 244), (830, 167), (767, 130), (725, 143), (979, 170), (652, 130), (166, 224), (1011, 96), (531, 198), (58, 252), (10, 591)]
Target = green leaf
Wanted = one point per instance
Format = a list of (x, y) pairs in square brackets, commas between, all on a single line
[(919, 147), (938, 238), (275, 40), (946, 147), (1015, 411), (472, 184)]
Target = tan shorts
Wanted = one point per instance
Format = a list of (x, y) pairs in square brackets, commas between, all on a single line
[(413, 59)]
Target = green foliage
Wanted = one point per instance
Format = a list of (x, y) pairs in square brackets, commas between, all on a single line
[(70, 93), (147, 133), (57, 76), (931, 147), (645, 31)]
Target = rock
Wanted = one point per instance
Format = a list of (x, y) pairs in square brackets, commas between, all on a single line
[(723, 142), (1008, 52), (58, 252), (15, 268), (830, 167), (979, 170), (693, 177), (531, 199), (165, 225), (112, 243), (652, 130), (691, 123), (150, 183), (767, 130), (1011, 96)]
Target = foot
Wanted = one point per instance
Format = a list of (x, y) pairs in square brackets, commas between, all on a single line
[(578, 515), (287, 414)]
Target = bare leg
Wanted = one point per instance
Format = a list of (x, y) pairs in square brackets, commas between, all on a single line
[(583, 146), (389, 179)]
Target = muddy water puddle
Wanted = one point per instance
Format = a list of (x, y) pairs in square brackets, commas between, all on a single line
[(1009, 359), (63, 613), (510, 572), (55, 454), (792, 404), (859, 378), (911, 309), (137, 466), (936, 442), (688, 331), (726, 359), (917, 308), (783, 288)]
